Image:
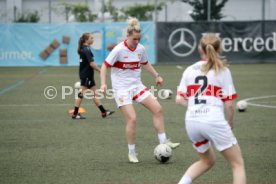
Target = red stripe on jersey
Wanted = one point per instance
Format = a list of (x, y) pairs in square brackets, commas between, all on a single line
[(127, 65), (198, 144), (212, 91), (209, 91), (140, 93), (192, 89), (107, 64), (145, 63)]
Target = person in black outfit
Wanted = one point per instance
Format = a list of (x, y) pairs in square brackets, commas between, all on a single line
[(86, 73)]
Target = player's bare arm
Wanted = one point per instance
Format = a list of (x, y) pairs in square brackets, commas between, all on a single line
[(103, 78), (95, 67), (158, 79), (230, 110), (180, 100)]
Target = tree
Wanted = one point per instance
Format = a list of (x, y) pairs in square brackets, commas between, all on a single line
[(81, 12), (28, 17), (200, 11), (114, 12), (142, 12)]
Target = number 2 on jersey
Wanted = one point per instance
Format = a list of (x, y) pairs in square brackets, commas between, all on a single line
[(198, 80)]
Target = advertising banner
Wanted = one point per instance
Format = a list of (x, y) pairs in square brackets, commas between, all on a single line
[(27, 44), (242, 42)]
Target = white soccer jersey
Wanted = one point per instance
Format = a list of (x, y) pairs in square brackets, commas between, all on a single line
[(125, 65), (206, 93)]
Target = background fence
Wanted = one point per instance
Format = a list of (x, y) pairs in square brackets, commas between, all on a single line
[(56, 44)]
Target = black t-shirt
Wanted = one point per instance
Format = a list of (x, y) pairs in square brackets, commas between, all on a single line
[(86, 56)]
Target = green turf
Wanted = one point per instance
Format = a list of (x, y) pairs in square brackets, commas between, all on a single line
[(39, 143)]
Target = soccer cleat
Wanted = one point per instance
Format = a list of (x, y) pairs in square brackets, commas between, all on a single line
[(132, 157), (78, 116), (107, 113), (172, 144)]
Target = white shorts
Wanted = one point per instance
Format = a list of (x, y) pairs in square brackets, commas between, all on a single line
[(203, 134), (125, 97)]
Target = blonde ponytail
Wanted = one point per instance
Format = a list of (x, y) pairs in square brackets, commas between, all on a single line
[(210, 44), (133, 25)]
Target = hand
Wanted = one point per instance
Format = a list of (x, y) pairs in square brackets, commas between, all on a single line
[(159, 81), (103, 88)]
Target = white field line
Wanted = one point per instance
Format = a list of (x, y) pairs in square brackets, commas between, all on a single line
[(259, 105)]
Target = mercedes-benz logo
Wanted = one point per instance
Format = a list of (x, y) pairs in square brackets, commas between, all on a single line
[(182, 42)]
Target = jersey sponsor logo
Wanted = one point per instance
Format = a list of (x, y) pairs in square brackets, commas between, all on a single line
[(127, 65), (210, 90)]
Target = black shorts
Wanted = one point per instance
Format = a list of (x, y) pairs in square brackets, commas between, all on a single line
[(89, 83)]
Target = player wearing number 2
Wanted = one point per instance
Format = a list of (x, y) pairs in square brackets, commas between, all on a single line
[(205, 89)]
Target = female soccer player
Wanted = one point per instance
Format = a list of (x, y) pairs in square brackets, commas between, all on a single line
[(205, 88), (86, 73), (125, 61)]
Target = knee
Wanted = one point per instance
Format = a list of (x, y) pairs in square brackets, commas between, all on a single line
[(131, 126), (239, 163), (158, 111), (209, 162), (131, 120)]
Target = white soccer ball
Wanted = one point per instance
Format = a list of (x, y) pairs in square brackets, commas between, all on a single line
[(241, 105), (77, 85), (162, 153), (167, 94)]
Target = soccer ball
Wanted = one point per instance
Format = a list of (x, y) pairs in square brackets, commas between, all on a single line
[(241, 105), (77, 85), (162, 153), (167, 93)]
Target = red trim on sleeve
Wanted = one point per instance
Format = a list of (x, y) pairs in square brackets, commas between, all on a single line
[(140, 93), (107, 64), (145, 63), (231, 97), (180, 93), (198, 144)]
